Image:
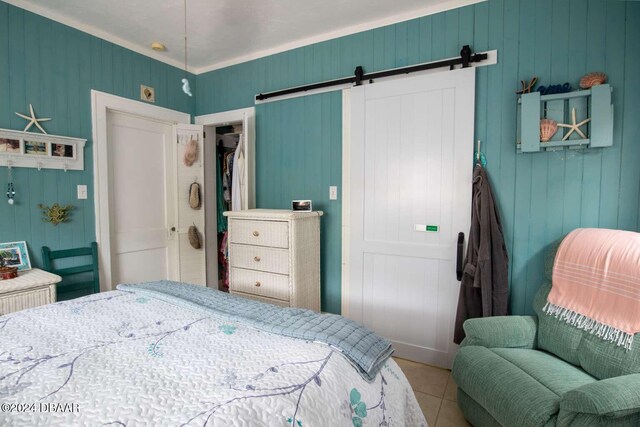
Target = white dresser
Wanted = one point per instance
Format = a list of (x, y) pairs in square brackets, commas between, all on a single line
[(275, 256), (30, 289)]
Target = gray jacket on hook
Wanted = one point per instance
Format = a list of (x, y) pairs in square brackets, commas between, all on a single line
[(484, 289)]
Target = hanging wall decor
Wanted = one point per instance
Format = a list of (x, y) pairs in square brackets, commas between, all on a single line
[(33, 120), (194, 237), (56, 213), (527, 87), (574, 126), (579, 119), (552, 89), (194, 196), (593, 79), (191, 152), (35, 150), (548, 128), (11, 192)]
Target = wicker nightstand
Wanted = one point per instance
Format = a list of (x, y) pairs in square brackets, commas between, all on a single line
[(30, 289), (275, 256)]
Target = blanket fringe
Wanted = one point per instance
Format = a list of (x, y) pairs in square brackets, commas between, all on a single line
[(608, 333)]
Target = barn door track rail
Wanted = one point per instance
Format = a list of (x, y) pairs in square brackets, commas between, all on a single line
[(466, 58)]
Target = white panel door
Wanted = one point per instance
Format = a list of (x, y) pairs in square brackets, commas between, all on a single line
[(141, 181), (411, 167), (192, 262)]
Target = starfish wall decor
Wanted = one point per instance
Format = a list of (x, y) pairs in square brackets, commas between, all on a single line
[(33, 120), (573, 126)]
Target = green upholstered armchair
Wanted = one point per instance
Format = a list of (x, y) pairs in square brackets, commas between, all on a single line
[(539, 371)]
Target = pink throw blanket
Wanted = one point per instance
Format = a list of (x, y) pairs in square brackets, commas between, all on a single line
[(596, 283)]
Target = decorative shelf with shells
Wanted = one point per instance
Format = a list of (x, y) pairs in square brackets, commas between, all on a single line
[(545, 122)]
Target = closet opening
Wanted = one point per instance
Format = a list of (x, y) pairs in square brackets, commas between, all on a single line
[(226, 135), (231, 192)]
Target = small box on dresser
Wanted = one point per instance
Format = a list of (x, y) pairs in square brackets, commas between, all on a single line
[(275, 256)]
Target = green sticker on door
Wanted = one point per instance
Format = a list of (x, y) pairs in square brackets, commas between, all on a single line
[(427, 228)]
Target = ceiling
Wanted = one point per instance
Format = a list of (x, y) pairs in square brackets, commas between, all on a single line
[(225, 32)]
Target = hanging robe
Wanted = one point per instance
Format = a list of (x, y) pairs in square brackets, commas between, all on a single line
[(484, 289)]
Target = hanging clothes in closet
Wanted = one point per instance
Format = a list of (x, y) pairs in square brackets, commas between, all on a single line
[(229, 188), (237, 180)]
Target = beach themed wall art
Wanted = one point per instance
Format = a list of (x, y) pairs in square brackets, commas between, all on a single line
[(42, 151), (8, 145), (36, 148), (33, 120), (62, 150), (15, 254)]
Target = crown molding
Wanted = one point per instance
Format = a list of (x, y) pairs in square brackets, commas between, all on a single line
[(369, 25), (91, 30), (353, 29)]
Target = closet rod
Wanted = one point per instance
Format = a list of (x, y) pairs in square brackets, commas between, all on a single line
[(466, 57)]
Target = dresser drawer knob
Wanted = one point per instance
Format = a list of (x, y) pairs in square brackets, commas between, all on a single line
[(256, 233), (257, 284), (256, 258)]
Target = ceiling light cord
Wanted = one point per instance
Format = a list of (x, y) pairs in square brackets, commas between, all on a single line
[(185, 38), (185, 81)]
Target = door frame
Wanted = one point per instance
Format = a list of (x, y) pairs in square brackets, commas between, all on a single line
[(244, 115), (101, 104)]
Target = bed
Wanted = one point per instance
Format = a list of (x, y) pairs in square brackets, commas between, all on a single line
[(173, 354)]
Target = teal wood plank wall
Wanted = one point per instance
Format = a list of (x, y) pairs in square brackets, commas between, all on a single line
[(541, 196), (54, 67)]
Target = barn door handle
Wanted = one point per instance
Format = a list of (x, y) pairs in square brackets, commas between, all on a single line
[(459, 256)]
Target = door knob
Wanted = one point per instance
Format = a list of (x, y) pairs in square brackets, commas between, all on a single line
[(255, 233), (257, 284), (256, 258)]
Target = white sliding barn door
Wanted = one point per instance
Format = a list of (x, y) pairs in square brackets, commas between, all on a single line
[(410, 171), (141, 159), (191, 262)]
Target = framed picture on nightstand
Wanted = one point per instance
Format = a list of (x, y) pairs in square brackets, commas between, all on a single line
[(15, 254)]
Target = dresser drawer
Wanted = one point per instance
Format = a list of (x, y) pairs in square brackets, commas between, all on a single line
[(260, 258), (260, 283), (262, 233), (17, 301), (262, 299)]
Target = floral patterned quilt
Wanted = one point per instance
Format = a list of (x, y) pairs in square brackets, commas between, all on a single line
[(124, 359)]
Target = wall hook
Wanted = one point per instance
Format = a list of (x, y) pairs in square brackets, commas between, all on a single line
[(39, 166), (66, 167)]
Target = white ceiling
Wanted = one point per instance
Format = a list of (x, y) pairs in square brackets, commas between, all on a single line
[(225, 32)]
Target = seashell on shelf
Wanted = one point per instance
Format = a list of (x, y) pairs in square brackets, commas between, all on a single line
[(593, 79), (548, 128)]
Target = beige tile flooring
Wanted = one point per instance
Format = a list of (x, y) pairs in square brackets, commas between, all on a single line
[(436, 393)]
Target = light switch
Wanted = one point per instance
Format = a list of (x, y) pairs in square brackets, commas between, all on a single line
[(333, 192), (82, 192)]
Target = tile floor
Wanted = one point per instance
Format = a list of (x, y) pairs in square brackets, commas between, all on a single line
[(436, 393)]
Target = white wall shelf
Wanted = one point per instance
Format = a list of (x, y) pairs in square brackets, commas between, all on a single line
[(41, 151)]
